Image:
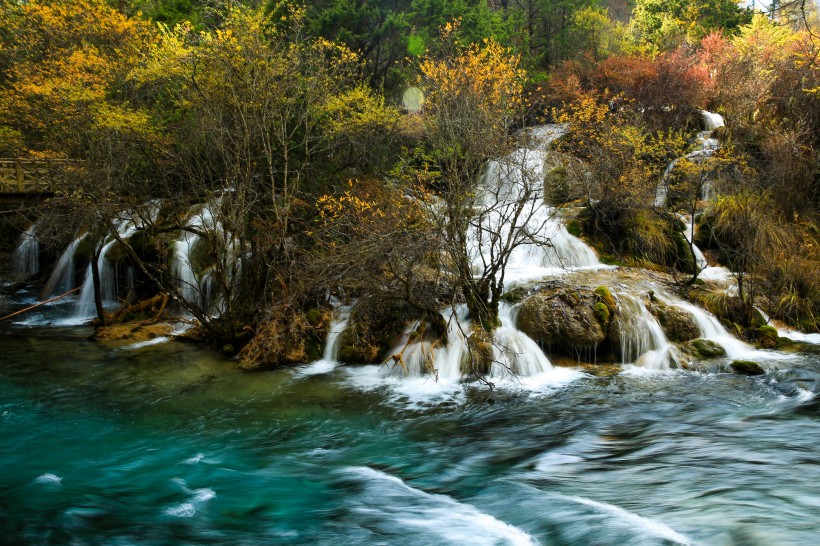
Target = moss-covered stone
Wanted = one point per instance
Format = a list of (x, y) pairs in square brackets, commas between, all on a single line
[(704, 349), (606, 298), (374, 328), (602, 313), (575, 227), (563, 320), (767, 337), (478, 360), (747, 367), (678, 324)]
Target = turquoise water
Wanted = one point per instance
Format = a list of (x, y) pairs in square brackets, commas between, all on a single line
[(170, 444)]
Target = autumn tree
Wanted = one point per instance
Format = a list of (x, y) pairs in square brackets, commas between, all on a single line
[(473, 96)]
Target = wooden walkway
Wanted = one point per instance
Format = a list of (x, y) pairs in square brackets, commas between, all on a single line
[(30, 176)]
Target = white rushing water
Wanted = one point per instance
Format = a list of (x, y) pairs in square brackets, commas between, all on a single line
[(330, 357), (62, 277), (706, 146), (386, 503), (642, 339), (26, 258), (515, 215)]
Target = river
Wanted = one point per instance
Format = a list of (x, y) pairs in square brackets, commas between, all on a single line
[(172, 444)]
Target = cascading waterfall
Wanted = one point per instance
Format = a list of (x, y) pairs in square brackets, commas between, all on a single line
[(711, 329), (420, 357), (26, 259), (62, 277), (333, 342), (85, 307), (514, 352), (706, 147), (512, 189), (181, 266), (641, 336), (545, 246)]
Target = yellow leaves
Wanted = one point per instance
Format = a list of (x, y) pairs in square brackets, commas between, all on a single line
[(489, 76)]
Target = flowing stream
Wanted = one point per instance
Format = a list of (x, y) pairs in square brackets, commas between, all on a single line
[(170, 444)]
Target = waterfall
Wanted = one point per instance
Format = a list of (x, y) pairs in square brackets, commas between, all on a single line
[(642, 339), (706, 146), (511, 197), (514, 352), (333, 342), (26, 260), (711, 329), (62, 278), (700, 259), (85, 307)]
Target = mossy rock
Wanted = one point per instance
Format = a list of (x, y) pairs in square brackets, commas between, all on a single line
[(602, 313), (557, 188), (282, 339), (704, 349), (575, 227), (374, 328), (767, 337), (678, 324), (563, 320), (747, 367), (606, 298)]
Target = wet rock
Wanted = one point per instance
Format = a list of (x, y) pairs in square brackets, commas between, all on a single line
[(767, 337), (747, 367), (284, 338), (373, 329), (678, 324), (564, 320), (133, 331), (478, 359), (703, 349)]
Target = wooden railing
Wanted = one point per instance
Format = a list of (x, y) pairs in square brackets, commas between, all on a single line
[(31, 176)]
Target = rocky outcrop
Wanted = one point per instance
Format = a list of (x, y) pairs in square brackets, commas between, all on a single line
[(568, 321)]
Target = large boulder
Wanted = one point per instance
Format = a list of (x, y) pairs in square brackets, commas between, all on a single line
[(375, 326), (565, 320), (703, 349)]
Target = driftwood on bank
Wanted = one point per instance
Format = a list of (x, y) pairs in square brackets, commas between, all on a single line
[(155, 305)]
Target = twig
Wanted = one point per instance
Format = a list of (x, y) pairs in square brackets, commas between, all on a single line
[(40, 304)]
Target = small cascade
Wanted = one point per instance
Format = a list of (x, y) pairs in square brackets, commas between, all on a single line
[(544, 246), (181, 266), (706, 147), (85, 307), (713, 330), (330, 357), (62, 278), (421, 357), (514, 352), (26, 260), (642, 339), (700, 259)]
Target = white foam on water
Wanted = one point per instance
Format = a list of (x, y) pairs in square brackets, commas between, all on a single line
[(195, 459), (49, 479), (184, 510), (189, 508), (418, 392), (549, 461), (315, 368), (146, 343), (632, 520), (794, 335), (404, 511)]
